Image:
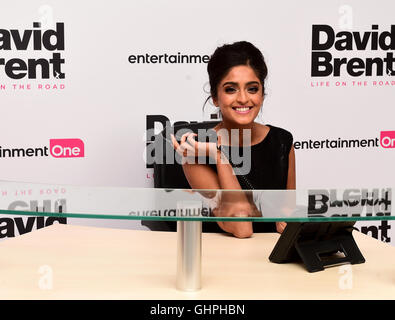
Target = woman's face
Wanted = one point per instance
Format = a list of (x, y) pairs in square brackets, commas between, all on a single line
[(239, 96)]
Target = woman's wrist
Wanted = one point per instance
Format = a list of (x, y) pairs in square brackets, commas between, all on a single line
[(212, 150)]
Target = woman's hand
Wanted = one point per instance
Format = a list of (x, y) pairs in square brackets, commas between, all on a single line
[(190, 148)]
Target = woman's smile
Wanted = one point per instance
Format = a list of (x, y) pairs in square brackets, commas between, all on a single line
[(242, 109)]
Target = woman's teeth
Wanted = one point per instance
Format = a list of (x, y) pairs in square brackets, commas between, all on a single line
[(242, 109)]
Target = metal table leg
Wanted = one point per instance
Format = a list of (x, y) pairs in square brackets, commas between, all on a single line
[(189, 255)]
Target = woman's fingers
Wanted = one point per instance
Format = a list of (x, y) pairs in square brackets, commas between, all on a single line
[(174, 141), (191, 139), (183, 145), (183, 148), (199, 147), (187, 150), (184, 137), (177, 146)]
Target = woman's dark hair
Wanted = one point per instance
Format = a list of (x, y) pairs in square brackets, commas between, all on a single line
[(230, 55)]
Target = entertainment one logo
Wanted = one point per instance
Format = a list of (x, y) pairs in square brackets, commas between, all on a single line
[(58, 148), (38, 40), (166, 58), (386, 140), (331, 51)]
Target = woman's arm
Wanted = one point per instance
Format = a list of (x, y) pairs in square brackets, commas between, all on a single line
[(201, 176), (291, 183), (233, 202)]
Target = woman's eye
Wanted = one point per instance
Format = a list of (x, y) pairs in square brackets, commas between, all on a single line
[(253, 89), (230, 89)]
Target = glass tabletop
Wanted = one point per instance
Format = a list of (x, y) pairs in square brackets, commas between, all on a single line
[(301, 205)]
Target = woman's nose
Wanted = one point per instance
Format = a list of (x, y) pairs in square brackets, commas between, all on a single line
[(242, 97)]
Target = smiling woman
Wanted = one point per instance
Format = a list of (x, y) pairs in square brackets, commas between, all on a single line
[(237, 74)]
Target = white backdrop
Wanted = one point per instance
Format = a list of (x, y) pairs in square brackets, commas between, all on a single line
[(106, 99)]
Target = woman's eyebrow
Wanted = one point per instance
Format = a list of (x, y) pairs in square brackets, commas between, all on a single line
[(230, 83), (236, 84)]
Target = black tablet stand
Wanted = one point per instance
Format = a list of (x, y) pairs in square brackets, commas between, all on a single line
[(317, 244)]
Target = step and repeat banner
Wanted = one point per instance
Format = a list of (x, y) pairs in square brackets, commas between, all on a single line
[(81, 83)]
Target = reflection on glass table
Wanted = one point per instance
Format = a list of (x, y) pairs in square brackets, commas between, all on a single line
[(319, 221), (196, 205)]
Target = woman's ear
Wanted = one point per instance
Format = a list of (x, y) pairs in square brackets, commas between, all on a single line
[(215, 101)]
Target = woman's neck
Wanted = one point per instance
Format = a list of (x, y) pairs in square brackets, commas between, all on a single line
[(229, 126), (243, 134)]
